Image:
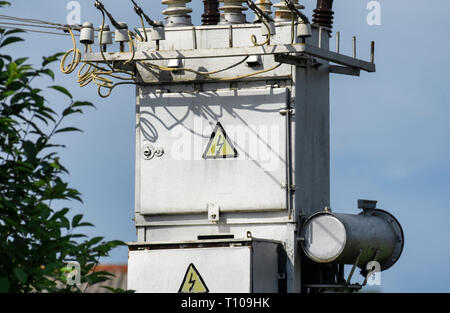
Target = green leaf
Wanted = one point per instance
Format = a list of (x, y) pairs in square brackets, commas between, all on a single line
[(85, 224), (70, 110), (21, 61), (76, 220), (51, 59), (20, 274), (59, 214), (118, 290), (48, 72), (10, 40), (94, 241), (68, 129), (82, 104), (14, 31), (62, 90)]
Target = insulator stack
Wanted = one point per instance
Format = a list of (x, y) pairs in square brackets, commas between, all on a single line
[(265, 6), (177, 13), (323, 14), (211, 15), (232, 12), (283, 13)]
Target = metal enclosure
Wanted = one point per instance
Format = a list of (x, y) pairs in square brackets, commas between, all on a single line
[(231, 266), (232, 153), (232, 176), (282, 168)]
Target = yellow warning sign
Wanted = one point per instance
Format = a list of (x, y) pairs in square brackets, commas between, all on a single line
[(193, 282), (219, 146)]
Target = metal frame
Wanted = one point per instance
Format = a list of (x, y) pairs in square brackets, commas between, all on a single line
[(234, 52)]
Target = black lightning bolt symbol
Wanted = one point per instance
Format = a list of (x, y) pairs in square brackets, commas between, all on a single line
[(220, 145), (192, 282)]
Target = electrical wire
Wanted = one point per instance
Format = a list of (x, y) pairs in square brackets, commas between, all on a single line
[(34, 31), (295, 12), (93, 73), (33, 25), (76, 57), (208, 74), (90, 72), (32, 21), (263, 17)]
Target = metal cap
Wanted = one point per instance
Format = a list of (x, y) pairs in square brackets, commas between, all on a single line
[(367, 204)]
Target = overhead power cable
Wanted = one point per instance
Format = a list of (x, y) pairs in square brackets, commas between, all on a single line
[(28, 20), (34, 30)]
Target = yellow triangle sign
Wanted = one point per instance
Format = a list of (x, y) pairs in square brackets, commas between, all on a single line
[(219, 146), (193, 282)]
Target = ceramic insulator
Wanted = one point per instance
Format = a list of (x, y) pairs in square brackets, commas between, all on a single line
[(283, 13), (107, 38), (232, 12), (323, 14), (177, 13), (265, 6), (211, 14), (87, 33)]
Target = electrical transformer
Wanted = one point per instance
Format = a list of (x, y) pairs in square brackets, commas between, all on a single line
[(233, 155)]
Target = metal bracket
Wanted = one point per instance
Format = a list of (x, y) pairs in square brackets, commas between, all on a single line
[(213, 212), (305, 49), (345, 70), (300, 60), (354, 267)]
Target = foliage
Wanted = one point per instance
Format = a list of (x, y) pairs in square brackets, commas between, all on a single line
[(36, 239)]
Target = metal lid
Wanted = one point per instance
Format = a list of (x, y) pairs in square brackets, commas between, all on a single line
[(398, 230), (324, 237)]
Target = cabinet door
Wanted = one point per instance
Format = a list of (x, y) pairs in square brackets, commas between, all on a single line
[(220, 148)]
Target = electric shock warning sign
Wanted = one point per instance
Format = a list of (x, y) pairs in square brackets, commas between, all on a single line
[(193, 282), (219, 146)]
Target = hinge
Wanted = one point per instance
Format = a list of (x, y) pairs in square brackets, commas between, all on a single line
[(290, 188), (284, 111)]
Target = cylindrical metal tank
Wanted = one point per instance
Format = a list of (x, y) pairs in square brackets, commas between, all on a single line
[(373, 235)]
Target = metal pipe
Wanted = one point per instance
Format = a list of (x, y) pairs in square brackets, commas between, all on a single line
[(211, 14), (339, 238), (323, 14), (194, 38), (320, 37), (354, 47), (230, 36), (372, 52), (338, 42)]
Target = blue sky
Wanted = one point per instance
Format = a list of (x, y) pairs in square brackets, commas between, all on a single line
[(389, 130)]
